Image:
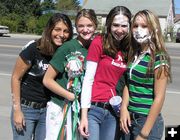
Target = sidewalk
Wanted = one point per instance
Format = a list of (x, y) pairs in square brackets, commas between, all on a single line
[(18, 35)]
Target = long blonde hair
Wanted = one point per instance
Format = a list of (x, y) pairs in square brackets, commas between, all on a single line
[(156, 43)]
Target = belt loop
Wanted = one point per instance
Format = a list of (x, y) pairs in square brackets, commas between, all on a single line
[(105, 104)]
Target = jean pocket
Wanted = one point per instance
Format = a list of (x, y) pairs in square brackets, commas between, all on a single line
[(140, 121), (158, 128)]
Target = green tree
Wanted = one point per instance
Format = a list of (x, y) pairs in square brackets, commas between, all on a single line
[(41, 23), (63, 5), (48, 5), (12, 21), (27, 15), (31, 24), (21, 7), (3, 9)]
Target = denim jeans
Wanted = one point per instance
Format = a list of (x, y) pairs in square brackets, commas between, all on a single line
[(102, 124), (35, 121), (138, 123)]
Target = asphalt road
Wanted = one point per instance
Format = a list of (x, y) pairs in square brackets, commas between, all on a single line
[(11, 45)]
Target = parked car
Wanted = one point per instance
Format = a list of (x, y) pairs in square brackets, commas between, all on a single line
[(178, 36), (4, 30)]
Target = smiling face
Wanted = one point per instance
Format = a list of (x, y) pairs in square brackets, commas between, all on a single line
[(120, 27), (85, 28), (60, 33), (140, 29)]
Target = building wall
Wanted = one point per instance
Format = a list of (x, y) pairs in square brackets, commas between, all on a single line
[(163, 24), (177, 26), (102, 7), (102, 21)]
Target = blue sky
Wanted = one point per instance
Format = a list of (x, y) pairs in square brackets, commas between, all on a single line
[(177, 6), (81, 1)]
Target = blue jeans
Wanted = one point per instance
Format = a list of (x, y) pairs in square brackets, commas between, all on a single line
[(137, 124), (35, 121), (102, 124)]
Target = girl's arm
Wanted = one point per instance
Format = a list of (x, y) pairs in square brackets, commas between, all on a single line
[(125, 120), (159, 91), (50, 83), (86, 96), (19, 70)]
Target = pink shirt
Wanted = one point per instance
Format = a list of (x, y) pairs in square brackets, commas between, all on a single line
[(108, 71)]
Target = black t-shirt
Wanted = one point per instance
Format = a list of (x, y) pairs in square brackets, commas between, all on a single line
[(32, 87)]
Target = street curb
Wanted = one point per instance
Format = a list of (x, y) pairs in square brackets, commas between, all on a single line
[(23, 35)]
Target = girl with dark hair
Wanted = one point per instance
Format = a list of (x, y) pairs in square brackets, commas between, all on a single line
[(105, 66), (29, 95)]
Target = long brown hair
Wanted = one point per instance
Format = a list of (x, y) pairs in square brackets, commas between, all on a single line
[(45, 43), (110, 45)]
